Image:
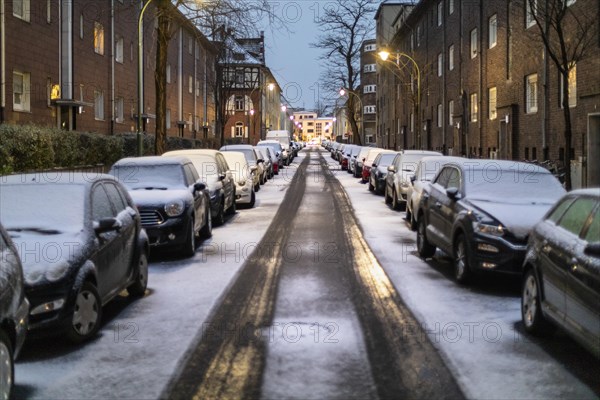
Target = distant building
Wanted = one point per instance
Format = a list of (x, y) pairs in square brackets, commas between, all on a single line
[(308, 125), (368, 89)]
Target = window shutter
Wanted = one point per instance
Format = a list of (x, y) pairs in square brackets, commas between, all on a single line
[(233, 131), (245, 131)]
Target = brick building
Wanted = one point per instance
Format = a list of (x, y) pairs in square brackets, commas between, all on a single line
[(368, 89), (73, 64), (488, 87)]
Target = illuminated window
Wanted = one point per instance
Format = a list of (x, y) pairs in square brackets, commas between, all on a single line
[(98, 38)]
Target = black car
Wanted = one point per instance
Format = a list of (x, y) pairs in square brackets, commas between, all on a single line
[(14, 309), (379, 170), (81, 243), (173, 202), (561, 272), (481, 212)]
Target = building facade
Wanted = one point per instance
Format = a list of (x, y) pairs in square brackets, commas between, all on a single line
[(368, 89), (487, 87)]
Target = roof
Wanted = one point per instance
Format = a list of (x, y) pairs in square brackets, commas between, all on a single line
[(393, 3), (59, 177), (498, 165), (230, 147), (242, 56), (191, 152), (588, 191), (152, 160)]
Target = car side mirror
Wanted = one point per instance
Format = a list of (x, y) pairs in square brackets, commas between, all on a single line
[(221, 177), (453, 193), (592, 249), (107, 225), (199, 186), (391, 168)]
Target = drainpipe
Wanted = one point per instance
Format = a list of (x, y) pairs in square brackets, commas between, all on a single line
[(195, 88), (480, 96), (2, 62), (546, 97), (112, 67), (180, 77)]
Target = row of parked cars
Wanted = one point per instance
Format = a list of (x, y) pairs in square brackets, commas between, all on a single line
[(498, 217), (71, 242)]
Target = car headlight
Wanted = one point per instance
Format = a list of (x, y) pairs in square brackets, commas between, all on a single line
[(242, 182), (47, 307), (174, 208), (488, 229)]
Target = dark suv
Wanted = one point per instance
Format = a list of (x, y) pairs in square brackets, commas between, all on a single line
[(561, 273), (481, 212)]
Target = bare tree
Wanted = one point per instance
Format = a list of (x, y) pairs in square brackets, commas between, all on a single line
[(345, 25), (568, 37)]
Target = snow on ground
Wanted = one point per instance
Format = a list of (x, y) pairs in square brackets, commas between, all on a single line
[(473, 327), (143, 342)]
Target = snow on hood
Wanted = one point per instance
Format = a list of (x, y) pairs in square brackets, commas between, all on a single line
[(158, 197), (518, 217), (48, 257)]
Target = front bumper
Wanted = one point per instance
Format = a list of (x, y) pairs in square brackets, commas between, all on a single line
[(488, 253), (21, 323), (171, 232), (243, 194)]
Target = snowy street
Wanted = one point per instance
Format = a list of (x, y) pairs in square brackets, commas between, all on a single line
[(319, 296)]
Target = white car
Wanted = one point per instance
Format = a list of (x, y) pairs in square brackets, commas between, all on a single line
[(243, 174)]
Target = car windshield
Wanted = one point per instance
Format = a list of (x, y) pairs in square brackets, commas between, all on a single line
[(512, 186), (41, 207), (149, 177), (386, 159), (248, 153), (427, 170), (408, 162)]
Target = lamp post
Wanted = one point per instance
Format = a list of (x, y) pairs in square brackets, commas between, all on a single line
[(384, 55), (140, 106), (343, 92)]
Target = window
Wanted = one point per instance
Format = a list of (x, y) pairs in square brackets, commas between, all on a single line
[(530, 12), (370, 47), (81, 26), (370, 68), (369, 88), (450, 6), (197, 88), (119, 107), (131, 51), (190, 45), (440, 115), (474, 108), (99, 105), (21, 91), (239, 103), (98, 38), (418, 35), (576, 216), (450, 111), (21, 9), (168, 118), (570, 2), (239, 129), (369, 110), (119, 49), (572, 87), (190, 122), (474, 43), (168, 73), (531, 94), (493, 30), (190, 84), (197, 46), (48, 11), (451, 57), (440, 64), (492, 103), (440, 13), (101, 207), (593, 232)]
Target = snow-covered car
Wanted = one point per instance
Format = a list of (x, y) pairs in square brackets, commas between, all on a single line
[(481, 212), (243, 175), (214, 171), (266, 162), (561, 272), (81, 243), (379, 171), (427, 168), (346, 154), (14, 311), (352, 161), (360, 159), (397, 180), (281, 154), (173, 201), (252, 158), (368, 161)]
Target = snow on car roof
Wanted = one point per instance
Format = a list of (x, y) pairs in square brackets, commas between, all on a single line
[(152, 160), (55, 177), (191, 152)]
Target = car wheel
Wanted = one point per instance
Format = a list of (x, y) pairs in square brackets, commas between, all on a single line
[(7, 366), (386, 195), (206, 230), (220, 218), (371, 187), (87, 314), (189, 247), (425, 249), (257, 187), (462, 270), (531, 310), (395, 204), (138, 287), (252, 200), (233, 208), (413, 222)]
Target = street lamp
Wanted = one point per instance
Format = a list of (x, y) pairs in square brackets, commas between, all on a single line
[(384, 55), (343, 92), (139, 139)]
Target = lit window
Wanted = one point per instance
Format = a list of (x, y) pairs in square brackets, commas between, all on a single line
[(474, 108), (49, 11), (493, 28), (99, 105), (451, 57), (21, 91), (474, 43), (21, 9), (98, 38), (493, 113), (239, 129), (531, 94), (572, 87)]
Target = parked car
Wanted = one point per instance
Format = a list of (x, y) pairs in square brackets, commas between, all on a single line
[(481, 212), (253, 161), (397, 180), (346, 154), (368, 161), (88, 246), (214, 171), (14, 311), (561, 272), (267, 163), (280, 153), (360, 159), (379, 170), (244, 177), (174, 202), (427, 168), (352, 160)]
